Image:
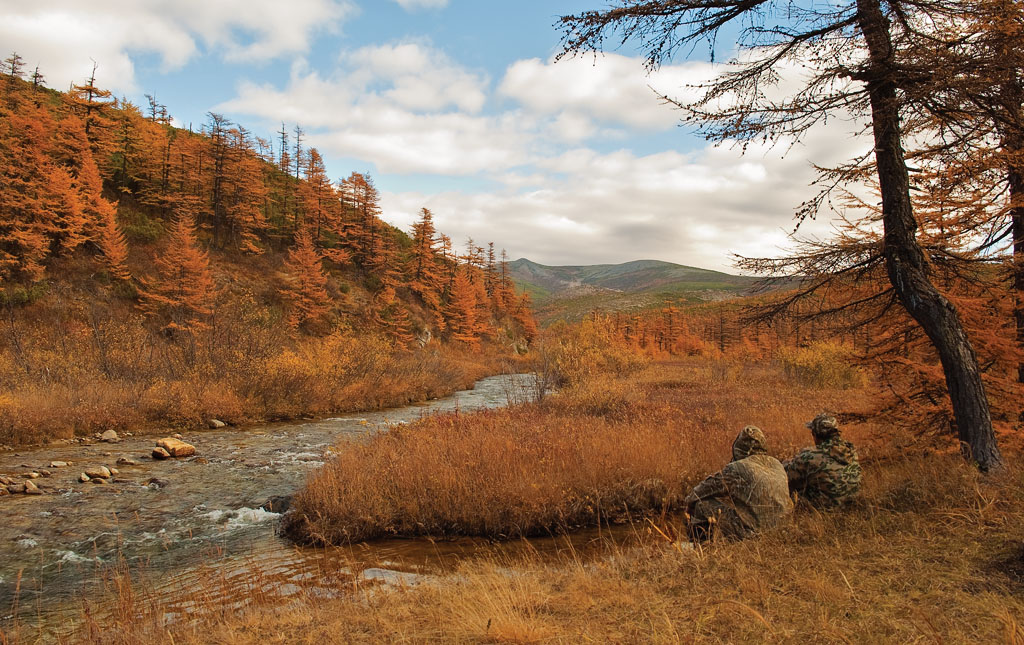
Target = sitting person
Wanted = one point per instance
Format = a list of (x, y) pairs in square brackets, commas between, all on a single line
[(827, 474), (748, 495)]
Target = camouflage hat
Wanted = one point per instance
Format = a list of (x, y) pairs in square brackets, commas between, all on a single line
[(824, 425), (750, 441)]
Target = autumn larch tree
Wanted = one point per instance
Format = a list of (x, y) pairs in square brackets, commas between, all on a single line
[(91, 103), (181, 295), (305, 288), (461, 311), (850, 54), (425, 269)]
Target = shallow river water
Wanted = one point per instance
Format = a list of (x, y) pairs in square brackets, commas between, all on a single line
[(205, 522)]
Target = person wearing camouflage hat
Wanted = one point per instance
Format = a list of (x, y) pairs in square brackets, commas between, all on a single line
[(827, 474), (747, 496)]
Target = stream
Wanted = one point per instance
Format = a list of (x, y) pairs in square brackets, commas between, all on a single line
[(203, 521)]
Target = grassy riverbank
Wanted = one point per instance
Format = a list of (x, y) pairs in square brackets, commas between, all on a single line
[(235, 382), (607, 447), (932, 552)]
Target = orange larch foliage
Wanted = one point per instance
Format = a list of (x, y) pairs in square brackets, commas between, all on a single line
[(182, 294), (391, 316), (305, 288), (461, 310), (425, 264), (245, 195)]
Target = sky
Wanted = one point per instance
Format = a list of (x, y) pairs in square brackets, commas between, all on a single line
[(457, 106)]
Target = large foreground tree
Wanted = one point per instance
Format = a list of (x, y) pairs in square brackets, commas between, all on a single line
[(849, 57)]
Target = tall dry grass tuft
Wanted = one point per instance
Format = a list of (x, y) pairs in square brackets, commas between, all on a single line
[(603, 449)]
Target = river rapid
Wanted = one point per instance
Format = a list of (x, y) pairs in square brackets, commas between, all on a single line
[(203, 519)]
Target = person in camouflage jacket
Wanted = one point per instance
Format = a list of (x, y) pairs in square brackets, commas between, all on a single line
[(749, 495), (827, 474)]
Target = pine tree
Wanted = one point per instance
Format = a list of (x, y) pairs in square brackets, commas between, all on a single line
[(305, 288)]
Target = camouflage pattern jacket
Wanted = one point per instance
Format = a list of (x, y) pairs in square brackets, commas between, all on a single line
[(827, 474), (749, 495)]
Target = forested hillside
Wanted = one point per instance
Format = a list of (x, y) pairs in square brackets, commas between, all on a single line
[(154, 273)]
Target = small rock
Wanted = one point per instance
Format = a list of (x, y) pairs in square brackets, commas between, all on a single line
[(59, 464), (114, 471), (32, 489), (84, 478), (110, 437), (216, 424), (6, 481), (201, 461), (4, 491), (32, 475), (126, 461), (45, 473), (176, 448), (157, 483), (98, 480), (17, 489), (160, 453), (179, 436), (101, 472)]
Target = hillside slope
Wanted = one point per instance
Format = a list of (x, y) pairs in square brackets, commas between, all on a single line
[(571, 292)]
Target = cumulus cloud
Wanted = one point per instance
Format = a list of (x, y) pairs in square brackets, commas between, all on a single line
[(588, 207), (62, 35), (609, 88), (555, 192), (406, 107)]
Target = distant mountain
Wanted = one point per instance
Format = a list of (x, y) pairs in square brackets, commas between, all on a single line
[(570, 292), (639, 276)]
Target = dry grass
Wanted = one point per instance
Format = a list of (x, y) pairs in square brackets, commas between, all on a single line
[(933, 552), (59, 387), (603, 449)]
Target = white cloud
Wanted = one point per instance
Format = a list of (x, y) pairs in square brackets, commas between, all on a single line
[(409, 109), (411, 5), (588, 207), (62, 35), (406, 108), (610, 88)]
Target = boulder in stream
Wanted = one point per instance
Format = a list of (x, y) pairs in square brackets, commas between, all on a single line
[(277, 504), (127, 461), (110, 437), (175, 448), (99, 472), (216, 424), (31, 488), (59, 464), (84, 478), (160, 453)]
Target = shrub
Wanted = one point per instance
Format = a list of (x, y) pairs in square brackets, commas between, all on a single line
[(822, 365)]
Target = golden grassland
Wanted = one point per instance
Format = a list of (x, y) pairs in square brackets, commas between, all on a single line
[(932, 552)]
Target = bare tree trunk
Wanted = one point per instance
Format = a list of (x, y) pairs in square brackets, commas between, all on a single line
[(905, 260)]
